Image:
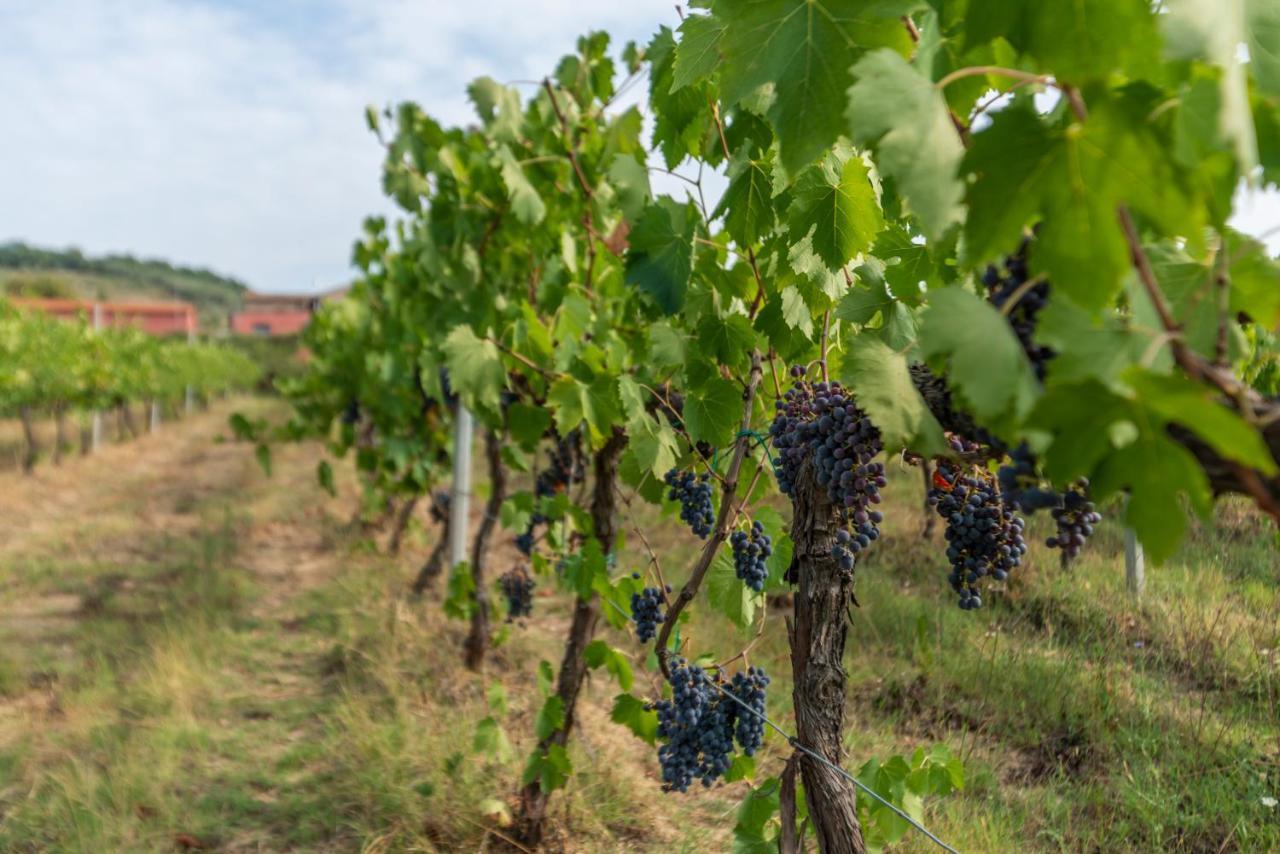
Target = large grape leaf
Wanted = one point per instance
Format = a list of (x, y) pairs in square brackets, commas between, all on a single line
[(1175, 398), (834, 203), (1213, 30), (1086, 347), (726, 592), (575, 402), (660, 258), (1075, 41), (682, 115), (902, 113), (987, 366), (713, 411), (475, 368), (881, 382), (1157, 472), (698, 52), (1072, 177), (804, 48), (526, 204), (747, 203)]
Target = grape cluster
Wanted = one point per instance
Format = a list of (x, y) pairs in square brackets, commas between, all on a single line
[(694, 494), (1072, 512), (351, 412), (646, 611), (751, 549), (821, 422), (750, 687), (565, 467), (1075, 520), (1002, 284), (517, 585), (984, 534), (439, 508), (1020, 482), (698, 724)]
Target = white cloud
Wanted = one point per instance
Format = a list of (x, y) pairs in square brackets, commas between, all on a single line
[(231, 134)]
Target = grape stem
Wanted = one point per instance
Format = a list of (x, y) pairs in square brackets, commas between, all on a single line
[(729, 503), (1000, 71), (1019, 293)]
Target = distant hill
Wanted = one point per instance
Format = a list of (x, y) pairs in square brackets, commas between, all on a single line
[(35, 272)]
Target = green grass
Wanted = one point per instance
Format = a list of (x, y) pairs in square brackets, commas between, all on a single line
[(193, 686)]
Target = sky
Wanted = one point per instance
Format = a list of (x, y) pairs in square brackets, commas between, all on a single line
[(230, 133)]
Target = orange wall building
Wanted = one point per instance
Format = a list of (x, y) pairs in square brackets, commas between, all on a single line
[(158, 318)]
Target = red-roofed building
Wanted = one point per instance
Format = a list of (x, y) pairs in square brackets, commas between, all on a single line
[(277, 314), (156, 318)]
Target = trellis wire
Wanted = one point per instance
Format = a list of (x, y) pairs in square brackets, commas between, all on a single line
[(794, 742)]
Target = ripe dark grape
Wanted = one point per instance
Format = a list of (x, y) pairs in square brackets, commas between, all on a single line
[(646, 611), (1073, 513), (699, 723), (751, 549), (439, 509), (750, 687), (821, 423), (694, 494), (517, 585), (1075, 519), (1002, 283), (351, 413), (984, 533), (565, 467)]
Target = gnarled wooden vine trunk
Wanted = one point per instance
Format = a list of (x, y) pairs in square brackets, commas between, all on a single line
[(586, 613), (822, 600)]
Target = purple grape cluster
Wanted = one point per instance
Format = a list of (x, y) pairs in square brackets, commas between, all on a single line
[(1002, 283), (694, 494), (646, 611), (1020, 482), (984, 533), (749, 687), (565, 467), (1075, 520), (698, 724), (821, 422), (439, 509), (751, 551), (517, 586)]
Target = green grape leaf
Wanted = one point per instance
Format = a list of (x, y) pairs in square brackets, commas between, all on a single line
[(631, 713), (881, 382), (1086, 347), (698, 52), (752, 833), (905, 116), (475, 368), (526, 204), (550, 770), (600, 654), (1156, 471), (528, 424), (712, 412), (575, 402), (653, 443), (803, 50), (1176, 398), (747, 203), (834, 203), (726, 592), (987, 366), (1074, 179), (631, 180), (1213, 30), (660, 258)]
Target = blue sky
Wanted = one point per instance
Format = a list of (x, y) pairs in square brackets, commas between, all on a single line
[(230, 133)]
